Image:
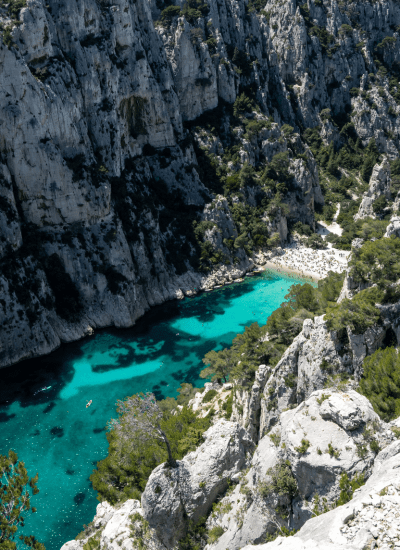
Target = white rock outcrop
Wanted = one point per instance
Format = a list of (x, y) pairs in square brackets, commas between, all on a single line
[(369, 520), (326, 436), (379, 186), (174, 495)]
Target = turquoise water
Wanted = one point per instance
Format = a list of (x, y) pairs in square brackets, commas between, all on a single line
[(57, 436)]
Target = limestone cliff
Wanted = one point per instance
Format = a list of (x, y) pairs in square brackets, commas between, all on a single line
[(122, 121)]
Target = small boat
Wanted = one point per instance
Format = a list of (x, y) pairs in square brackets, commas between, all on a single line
[(89, 403), (42, 389), (249, 274)]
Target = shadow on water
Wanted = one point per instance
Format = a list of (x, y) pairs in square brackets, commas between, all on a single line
[(4, 417), (79, 498), (57, 431)]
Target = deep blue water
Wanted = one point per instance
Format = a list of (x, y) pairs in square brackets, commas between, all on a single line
[(57, 436)]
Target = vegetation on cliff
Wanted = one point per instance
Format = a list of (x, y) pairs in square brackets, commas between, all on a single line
[(16, 491), (124, 472)]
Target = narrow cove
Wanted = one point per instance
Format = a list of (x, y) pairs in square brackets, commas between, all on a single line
[(57, 436)]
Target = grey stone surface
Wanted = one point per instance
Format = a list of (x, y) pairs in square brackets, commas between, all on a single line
[(379, 186), (174, 495), (333, 426), (369, 520)]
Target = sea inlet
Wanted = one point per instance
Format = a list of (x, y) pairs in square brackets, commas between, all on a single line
[(43, 413)]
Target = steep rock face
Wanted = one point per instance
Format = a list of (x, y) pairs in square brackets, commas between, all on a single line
[(315, 357), (393, 228), (97, 169), (116, 527), (97, 141), (320, 439), (174, 495), (379, 186), (369, 520)]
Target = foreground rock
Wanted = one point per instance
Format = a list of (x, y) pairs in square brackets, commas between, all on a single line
[(294, 474), (329, 434), (369, 520), (174, 495)]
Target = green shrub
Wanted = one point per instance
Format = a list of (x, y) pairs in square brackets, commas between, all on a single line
[(275, 438), (358, 314), (380, 382), (242, 61), (362, 450), (348, 487), (227, 406), (379, 204), (209, 396), (325, 38), (302, 449), (168, 14), (377, 263), (287, 130), (123, 474), (215, 533), (276, 174), (282, 482), (316, 242), (332, 451), (302, 229), (243, 104), (322, 398), (370, 159), (346, 29), (290, 380), (374, 446), (396, 431)]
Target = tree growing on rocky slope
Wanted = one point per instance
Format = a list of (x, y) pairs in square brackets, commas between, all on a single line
[(219, 365), (16, 489), (140, 418)]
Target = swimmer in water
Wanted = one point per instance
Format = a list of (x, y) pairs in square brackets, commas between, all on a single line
[(88, 403)]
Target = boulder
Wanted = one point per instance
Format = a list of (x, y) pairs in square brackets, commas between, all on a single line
[(175, 495), (348, 410)]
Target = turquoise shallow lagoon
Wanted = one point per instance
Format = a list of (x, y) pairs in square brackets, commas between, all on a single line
[(56, 435)]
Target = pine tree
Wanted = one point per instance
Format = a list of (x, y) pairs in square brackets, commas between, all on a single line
[(140, 420), (219, 365), (16, 489)]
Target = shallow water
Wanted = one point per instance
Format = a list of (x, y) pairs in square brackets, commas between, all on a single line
[(56, 435)]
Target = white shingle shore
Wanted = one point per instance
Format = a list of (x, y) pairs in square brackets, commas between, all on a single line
[(308, 262)]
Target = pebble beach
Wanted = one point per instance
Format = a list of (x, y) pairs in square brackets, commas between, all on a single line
[(307, 262)]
